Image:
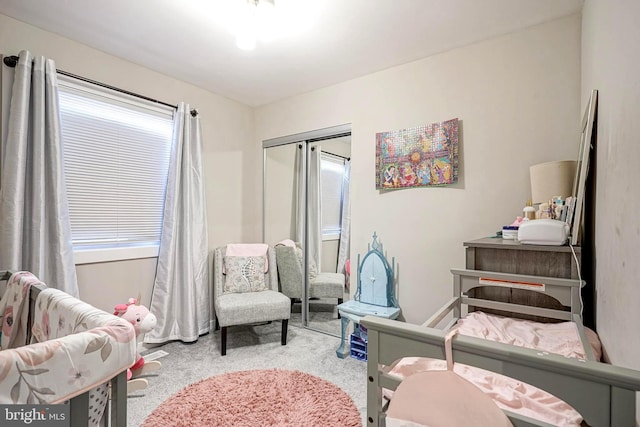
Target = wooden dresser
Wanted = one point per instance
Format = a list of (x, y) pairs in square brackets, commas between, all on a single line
[(509, 256)]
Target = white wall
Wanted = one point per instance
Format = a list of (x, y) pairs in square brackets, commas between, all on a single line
[(517, 97), (611, 64), (280, 193), (233, 197)]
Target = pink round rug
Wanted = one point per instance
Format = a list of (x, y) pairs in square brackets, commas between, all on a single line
[(271, 397)]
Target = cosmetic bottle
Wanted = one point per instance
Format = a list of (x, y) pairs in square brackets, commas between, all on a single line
[(529, 212)]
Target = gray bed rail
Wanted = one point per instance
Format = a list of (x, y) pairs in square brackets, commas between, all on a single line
[(565, 291), (603, 394)]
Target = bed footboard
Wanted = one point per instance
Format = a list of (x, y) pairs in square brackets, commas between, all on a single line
[(603, 394)]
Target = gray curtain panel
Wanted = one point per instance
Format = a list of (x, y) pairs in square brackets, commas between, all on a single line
[(35, 233), (345, 220), (181, 297), (314, 208), (301, 200)]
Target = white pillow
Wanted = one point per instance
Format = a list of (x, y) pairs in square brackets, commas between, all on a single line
[(244, 274)]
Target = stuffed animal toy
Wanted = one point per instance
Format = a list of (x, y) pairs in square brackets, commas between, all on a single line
[(143, 321)]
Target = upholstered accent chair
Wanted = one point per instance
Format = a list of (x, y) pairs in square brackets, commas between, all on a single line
[(290, 272), (258, 303)]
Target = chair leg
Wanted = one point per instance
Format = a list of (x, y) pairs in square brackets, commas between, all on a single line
[(285, 323), (223, 340), (339, 302), (217, 324)]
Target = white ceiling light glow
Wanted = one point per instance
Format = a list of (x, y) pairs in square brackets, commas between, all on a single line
[(253, 21), (256, 20)]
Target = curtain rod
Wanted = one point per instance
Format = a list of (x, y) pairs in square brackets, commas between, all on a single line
[(327, 152), (336, 155), (12, 61)]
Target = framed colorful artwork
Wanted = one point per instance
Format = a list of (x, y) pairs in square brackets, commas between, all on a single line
[(418, 157)]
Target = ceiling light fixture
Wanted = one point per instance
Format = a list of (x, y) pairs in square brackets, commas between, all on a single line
[(256, 21), (253, 21)]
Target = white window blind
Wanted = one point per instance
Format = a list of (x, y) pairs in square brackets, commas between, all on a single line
[(332, 175), (116, 157)]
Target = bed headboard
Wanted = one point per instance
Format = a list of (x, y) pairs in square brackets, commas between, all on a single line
[(565, 291)]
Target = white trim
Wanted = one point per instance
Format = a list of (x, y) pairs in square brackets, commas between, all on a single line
[(92, 256), (330, 236), (330, 132), (101, 91)]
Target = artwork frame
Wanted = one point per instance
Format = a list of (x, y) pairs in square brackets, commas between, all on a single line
[(422, 156), (582, 167)]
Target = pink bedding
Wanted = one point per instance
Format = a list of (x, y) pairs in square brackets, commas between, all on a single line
[(442, 398), (507, 393), (558, 338)]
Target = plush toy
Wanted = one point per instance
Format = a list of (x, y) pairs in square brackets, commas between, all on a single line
[(143, 321)]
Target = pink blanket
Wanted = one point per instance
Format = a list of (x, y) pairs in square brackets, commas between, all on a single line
[(507, 393), (248, 249), (559, 338)]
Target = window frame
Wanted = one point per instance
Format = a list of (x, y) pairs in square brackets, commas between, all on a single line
[(333, 235), (84, 253)]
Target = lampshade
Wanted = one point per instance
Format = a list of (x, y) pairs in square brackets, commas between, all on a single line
[(552, 179)]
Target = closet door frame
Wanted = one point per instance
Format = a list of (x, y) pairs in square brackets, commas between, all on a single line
[(304, 138)]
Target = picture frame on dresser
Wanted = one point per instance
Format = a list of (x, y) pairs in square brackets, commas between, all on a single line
[(582, 167)]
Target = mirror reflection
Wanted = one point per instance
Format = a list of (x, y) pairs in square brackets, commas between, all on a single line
[(306, 218)]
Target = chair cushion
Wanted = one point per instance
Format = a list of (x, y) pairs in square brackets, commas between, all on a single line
[(244, 274), (327, 285), (251, 307)]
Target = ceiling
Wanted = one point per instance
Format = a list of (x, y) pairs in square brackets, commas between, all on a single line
[(187, 39)]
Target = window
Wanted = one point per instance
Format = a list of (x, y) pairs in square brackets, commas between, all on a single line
[(332, 176), (116, 158)]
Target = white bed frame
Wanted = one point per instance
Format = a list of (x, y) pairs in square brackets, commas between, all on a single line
[(605, 395)]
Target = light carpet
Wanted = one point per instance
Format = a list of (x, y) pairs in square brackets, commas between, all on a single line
[(273, 397), (248, 348)]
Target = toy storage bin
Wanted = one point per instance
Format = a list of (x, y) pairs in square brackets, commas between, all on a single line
[(358, 346)]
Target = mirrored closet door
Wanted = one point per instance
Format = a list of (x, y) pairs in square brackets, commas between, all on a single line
[(306, 216)]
